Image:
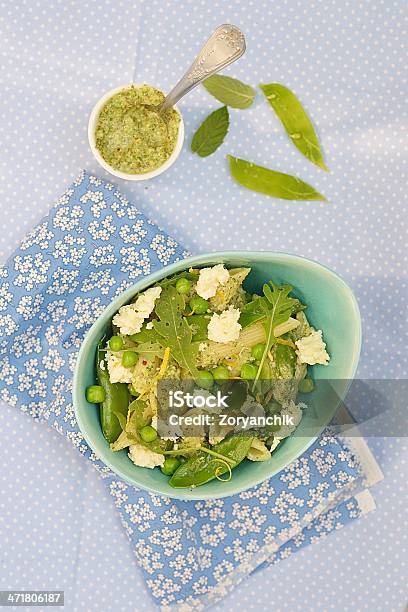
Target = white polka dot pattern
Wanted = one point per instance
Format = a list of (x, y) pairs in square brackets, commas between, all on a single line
[(345, 61), (190, 553)]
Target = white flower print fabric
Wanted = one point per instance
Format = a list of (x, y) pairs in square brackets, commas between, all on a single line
[(92, 246)]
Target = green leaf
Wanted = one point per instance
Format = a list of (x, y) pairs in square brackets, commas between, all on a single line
[(251, 312), (229, 91), (296, 122), (211, 133), (138, 417), (172, 280), (199, 327), (278, 307), (271, 183), (145, 335), (174, 332), (149, 350), (255, 310), (121, 418)]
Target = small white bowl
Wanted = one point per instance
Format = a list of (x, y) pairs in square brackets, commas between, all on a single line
[(124, 175)]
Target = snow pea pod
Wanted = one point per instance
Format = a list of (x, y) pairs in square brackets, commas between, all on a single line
[(285, 361), (295, 120), (116, 400), (270, 182), (203, 467)]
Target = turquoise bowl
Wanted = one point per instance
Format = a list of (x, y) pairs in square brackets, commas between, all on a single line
[(331, 306)]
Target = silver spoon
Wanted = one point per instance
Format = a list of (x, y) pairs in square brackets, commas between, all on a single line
[(224, 46)]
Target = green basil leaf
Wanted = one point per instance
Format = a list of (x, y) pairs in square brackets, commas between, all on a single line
[(211, 133), (295, 121), (229, 91), (271, 183)]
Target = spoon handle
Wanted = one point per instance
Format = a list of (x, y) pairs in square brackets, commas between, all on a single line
[(225, 45)]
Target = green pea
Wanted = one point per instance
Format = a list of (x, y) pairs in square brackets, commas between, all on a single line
[(116, 343), (170, 465), (257, 351), (220, 374), (198, 304), (205, 379), (148, 433), (248, 371), (129, 359), (306, 385), (183, 285), (95, 394)]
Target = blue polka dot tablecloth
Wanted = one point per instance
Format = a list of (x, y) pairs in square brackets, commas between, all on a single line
[(345, 60), (93, 246)]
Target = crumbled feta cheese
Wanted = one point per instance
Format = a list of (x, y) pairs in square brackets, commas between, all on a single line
[(202, 347), (293, 412), (149, 325), (145, 302), (224, 327), (102, 364), (144, 457), (312, 349), (274, 444), (130, 317), (210, 279), (117, 372)]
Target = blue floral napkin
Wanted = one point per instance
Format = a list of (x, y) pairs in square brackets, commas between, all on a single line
[(91, 247)]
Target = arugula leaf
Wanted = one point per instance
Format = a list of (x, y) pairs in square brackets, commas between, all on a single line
[(149, 350), (199, 327), (277, 307), (271, 183), (145, 335), (138, 416), (211, 133), (251, 312), (172, 280), (229, 91), (174, 331), (296, 122), (255, 310)]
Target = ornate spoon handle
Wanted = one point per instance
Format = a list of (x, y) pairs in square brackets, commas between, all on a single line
[(224, 46)]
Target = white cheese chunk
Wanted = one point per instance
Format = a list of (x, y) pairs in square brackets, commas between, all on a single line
[(117, 372), (311, 349), (210, 279), (224, 327), (130, 318), (274, 444), (144, 457), (291, 412)]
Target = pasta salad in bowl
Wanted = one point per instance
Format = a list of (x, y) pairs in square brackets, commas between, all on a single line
[(195, 384)]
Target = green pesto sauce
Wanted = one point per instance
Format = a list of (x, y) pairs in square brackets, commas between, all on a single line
[(131, 135)]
